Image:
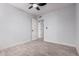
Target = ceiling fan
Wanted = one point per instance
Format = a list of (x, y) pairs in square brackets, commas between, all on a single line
[(36, 5)]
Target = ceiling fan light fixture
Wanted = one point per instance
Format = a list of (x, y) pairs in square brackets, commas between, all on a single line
[(35, 5)]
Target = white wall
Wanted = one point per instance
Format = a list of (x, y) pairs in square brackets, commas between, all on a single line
[(77, 14), (15, 26), (61, 26)]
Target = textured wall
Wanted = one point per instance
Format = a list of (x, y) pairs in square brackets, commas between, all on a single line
[(61, 26), (15, 26), (77, 25)]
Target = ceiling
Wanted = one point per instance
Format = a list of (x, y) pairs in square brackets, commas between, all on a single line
[(43, 9)]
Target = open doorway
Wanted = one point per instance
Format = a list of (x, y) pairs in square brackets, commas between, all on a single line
[(41, 29), (37, 29)]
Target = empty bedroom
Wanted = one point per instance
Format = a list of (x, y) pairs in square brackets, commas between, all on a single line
[(39, 29)]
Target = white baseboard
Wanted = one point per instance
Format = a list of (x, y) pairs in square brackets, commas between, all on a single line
[(62, 43), (77, 47), (12, 45)]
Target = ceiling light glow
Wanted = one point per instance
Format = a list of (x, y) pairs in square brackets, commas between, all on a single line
[(35, 5)]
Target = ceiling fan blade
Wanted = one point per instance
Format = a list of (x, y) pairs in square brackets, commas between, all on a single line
[(37, 8), (42, 4), (30, 7)]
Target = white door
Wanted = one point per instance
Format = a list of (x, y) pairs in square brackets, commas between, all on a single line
[(34, 29)]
